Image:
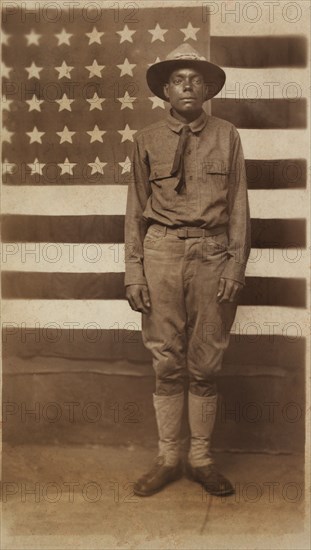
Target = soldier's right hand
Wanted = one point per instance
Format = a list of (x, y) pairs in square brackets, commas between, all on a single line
[(138, 297)]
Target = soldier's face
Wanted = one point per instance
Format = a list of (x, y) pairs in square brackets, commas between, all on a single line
[(186, 90)]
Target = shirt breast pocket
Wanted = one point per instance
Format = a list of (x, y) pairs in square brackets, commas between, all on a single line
[(163, 184), (215, 181)]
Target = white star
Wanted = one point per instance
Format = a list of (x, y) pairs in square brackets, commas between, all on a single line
[(6, 135), (64, 70), (126, 165), (4, 38), (66, 167), (157, 33), (6, 103), (33, 71), (95, 102), (8, 167), (127, 134), (33, 38), (63, 37), (126, 67), (126, 101), (97, 166), (35, 135), (126, 34), (95, 69), (157, 102), (96, 134), (34, 103), (64, 103), (156, 61), (190, 32), (94, 36), (5, 71), (65, 135), (36, 167)]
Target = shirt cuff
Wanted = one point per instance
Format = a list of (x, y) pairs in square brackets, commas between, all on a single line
[(234, 270), (134, 274)]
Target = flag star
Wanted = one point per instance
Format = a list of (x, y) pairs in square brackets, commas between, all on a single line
[(65, 135), (127, 134), (6, 135), (126, 101), (157, 33), (156, 61), (34, 103), (97, 166), (5, 71), (4, 38), (95, 69), (66, 167), (126, 34), (36, 167), (33, 38), (63, 37), (35, 135), (95, 102), (94, 36), (33, 70), (96, 134), (64, 70), (157, 102), (8, 167), (6, 103), (126, 67), (64, 103), (190, 32), (126, 165)]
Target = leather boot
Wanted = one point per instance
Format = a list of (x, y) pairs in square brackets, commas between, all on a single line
[(167, 466), (202, 415)]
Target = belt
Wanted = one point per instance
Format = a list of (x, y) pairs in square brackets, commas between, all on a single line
[(186, 232)]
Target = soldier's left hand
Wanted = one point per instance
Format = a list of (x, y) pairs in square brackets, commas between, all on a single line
[(228, 290)]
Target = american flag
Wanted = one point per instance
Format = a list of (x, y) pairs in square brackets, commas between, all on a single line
[(73, 96)]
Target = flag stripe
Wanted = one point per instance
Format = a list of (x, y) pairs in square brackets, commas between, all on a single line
[(249, 351), (270, 233), (259, 51), (266, 291), (111, 200), (109, 258), (109, 313), (262, 113)]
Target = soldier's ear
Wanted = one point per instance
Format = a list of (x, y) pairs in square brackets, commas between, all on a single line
[(165, 91)]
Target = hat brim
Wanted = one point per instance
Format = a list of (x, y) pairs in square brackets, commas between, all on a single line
[(158, 74)]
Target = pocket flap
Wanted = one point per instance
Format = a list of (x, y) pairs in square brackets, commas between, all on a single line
[(161, 171), (215, 167)]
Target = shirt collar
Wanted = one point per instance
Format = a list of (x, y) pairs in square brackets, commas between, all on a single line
[(195, 126)]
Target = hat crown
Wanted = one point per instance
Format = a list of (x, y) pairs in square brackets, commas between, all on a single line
[(186, 52)]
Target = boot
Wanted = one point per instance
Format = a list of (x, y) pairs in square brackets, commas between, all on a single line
[(167, 466), (200, 468)]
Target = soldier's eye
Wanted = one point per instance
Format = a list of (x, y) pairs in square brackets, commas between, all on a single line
[(177, 81), (197, 81)]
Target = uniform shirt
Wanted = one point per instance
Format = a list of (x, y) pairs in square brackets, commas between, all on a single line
[(214, 193)]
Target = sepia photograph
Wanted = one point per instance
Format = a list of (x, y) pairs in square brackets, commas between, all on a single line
[(155, 275)]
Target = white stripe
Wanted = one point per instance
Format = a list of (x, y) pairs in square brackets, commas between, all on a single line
[(274, 144), (265, 83), (114, 314), (279, 203), (257, 18), (60, 200), (111, 200), (109, 258)]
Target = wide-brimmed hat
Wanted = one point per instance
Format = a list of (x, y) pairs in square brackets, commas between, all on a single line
[(185, 56)]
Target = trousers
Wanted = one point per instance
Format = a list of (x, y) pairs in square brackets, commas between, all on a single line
[(186, 329)]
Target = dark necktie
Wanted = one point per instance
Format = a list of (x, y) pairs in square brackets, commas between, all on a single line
[(178, 164)]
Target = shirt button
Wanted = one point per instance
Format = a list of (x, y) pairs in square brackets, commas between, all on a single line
[(190, 178), (189, 152)]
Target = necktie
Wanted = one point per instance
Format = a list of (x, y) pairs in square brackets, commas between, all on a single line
[(178, 164)]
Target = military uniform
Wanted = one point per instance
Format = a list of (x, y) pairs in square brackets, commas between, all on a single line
[(183, 231)]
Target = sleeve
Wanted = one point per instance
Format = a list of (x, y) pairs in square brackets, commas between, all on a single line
[(135, 224), (239, 229)]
